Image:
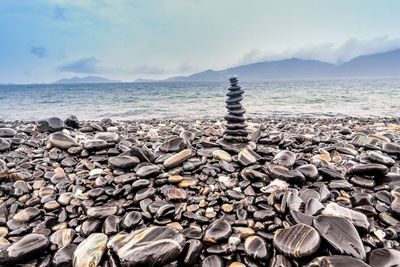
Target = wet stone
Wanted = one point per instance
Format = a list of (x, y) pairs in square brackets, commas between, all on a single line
[(370, 169), (263, 215), (131, 219), (391, 148), (217, 231), (123, 162), (297, 241), (173, 145), (90, 251), (152, 246), (72, 122), (309, 171), (62, 237), (256, 248), (95, 144), (111, 225), (27, 214), (384, 257), (62, 140), (109, 137), (222, 155), (358, 219), (148, 171), (212, 261), (395, 205), (101, 212), (280, 261), (177, 158), (52, 124), (63, 256), (283, 173), (191, 252), (29, 246), (341, 235), (379, 158), (4, 145), (7, 132), (336, 261), (176, 194), (284, 158), (248, 156)]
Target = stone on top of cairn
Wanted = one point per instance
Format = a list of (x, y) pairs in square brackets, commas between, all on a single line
[(235, 136)]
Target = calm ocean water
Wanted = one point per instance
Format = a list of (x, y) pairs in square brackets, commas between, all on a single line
[(365, 98)]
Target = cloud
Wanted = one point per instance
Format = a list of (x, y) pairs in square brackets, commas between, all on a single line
[(83, 65), (185, 67), (148, 69), (38, 51), (59, 12), (329, 52)]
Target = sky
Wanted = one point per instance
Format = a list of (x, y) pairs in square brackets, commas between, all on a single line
[(45, 40)]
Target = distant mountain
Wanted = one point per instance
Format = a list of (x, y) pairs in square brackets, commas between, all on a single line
[(376, 65), (87, 79)]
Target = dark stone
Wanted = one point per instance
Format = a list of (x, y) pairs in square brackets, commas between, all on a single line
[(72, 122), (212, 261), (111, 225), (29, 246), (297, 241), (4, 144), (256, 248), (391, 148), (284, 158), (123, 162), (358, 219), (336, 261), (331, 174), (369, 169), (63, 256), (341, 235), (379, 158), (95, 144), (280, 261), (152, 246), (384, 257), (299, 217), (191, 252), (131, 219), (52, 124), (7, 132), (173, 145), (147, 171), (263, 215), (100, 212), (395, 205), (309, 171), (217, 231), (283, 173)]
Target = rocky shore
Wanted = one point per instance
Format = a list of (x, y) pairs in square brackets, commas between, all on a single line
[(306, 192)]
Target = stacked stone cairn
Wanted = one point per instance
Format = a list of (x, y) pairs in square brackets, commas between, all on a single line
[(236, 131)]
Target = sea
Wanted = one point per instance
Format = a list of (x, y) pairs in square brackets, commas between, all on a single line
[(201, 100)]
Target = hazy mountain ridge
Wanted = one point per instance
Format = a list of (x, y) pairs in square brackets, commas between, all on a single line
[(375, 65), (87, 79)]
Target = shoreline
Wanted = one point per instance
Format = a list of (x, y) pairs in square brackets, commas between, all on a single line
[(163, 192)]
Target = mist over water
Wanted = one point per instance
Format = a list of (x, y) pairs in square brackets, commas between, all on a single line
[(201, 100)]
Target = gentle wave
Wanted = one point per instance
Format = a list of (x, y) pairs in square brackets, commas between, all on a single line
[(325, 98)]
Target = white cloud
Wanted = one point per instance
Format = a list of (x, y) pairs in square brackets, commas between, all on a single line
[(329, 52)]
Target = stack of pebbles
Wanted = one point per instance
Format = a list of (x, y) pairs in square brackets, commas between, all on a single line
[(236, 132)]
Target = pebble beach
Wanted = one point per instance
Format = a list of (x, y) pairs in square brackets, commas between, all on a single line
[(304, 192)]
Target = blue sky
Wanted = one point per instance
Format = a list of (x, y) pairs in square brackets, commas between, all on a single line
[(45, 40)]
